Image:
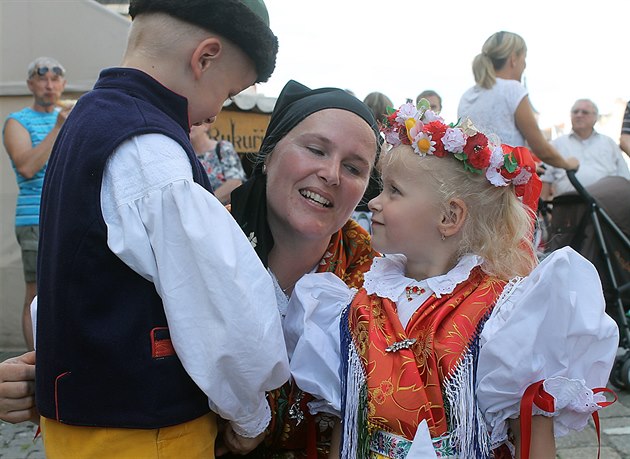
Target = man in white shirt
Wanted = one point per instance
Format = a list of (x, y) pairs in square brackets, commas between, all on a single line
[(603, 172), (599, 155)]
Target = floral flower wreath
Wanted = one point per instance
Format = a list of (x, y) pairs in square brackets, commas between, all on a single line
[(428, 134)]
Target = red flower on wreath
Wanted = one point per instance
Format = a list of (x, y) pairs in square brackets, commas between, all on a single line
[(510, 175), (477, 151), (390, 120), (436, 130), (511, 167)]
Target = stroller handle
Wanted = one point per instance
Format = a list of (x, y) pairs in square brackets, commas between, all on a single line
[(579, 187)]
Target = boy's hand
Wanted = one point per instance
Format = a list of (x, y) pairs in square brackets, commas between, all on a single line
[(17, 389), (235, 444)]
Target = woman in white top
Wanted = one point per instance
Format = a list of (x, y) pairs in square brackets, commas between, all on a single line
[(499, 103)]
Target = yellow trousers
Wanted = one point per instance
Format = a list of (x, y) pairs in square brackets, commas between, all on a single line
[(193, 439)]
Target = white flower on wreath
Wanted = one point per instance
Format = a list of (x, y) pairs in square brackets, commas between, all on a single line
[(423, 145), (493, 173), (407, 111), (391, 137), (454, 140), (430, 116), (522, 178)]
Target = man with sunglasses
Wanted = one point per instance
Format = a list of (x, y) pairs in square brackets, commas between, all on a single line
[(28, 136)]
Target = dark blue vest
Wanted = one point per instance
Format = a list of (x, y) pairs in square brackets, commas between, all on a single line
[(103, 350)]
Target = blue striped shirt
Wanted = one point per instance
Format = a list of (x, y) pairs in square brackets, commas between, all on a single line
[(38, 125)]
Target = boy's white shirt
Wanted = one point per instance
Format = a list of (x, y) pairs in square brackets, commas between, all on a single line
[(172, 232)]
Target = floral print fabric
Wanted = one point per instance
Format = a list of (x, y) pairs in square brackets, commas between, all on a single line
[(293, 432), (222, 163), (406, 386)]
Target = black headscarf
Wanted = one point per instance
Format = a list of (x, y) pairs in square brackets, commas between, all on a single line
[(295, 103)]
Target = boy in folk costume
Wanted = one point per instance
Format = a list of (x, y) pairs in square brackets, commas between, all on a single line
[(456, 323), (154, 311)]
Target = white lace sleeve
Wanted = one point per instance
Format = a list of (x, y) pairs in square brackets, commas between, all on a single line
[(551, 327), (311, 330)]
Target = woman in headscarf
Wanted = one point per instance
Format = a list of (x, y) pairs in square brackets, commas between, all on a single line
[(314, 166)]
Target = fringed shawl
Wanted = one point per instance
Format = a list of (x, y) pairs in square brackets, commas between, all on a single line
[(433, 379), (349, 256)]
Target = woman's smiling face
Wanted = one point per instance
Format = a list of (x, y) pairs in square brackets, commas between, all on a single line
[(317, 173)]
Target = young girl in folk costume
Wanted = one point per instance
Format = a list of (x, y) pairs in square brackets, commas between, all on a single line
[(455, 325)]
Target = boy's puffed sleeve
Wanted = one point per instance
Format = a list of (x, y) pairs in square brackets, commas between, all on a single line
[(218, 298)]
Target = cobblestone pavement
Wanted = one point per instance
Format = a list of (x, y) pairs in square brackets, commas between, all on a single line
[(16, 441)]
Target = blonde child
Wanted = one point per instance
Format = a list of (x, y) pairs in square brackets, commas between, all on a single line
[(456, 322)]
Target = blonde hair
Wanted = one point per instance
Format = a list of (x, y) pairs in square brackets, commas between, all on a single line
[(498, 226), (494, 54)]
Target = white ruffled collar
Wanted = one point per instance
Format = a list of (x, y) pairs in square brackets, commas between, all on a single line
[(386, 278)]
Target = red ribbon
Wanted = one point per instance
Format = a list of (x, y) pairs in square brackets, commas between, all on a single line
[(530, 191), (596, 415), (37, 433), (535, 394)]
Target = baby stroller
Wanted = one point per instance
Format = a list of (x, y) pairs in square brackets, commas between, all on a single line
[(580, 221)]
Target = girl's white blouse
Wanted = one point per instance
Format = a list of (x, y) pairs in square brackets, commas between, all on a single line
[(550, 325)]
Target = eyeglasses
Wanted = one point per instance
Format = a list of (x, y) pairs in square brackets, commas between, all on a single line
[(579, 111), (41, 71)]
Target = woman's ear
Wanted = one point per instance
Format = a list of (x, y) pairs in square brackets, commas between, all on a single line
[(204, 54), (513, 59), (453, 217)]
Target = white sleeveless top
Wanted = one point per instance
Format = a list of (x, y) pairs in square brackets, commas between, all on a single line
[(492, 110)]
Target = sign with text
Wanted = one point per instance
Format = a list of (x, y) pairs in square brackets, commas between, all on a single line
[(244, 129)]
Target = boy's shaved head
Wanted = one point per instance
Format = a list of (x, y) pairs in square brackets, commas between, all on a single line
[(245, 26), (158, 35)]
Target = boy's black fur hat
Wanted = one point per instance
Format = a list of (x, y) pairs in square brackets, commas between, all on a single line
[(246, 27)]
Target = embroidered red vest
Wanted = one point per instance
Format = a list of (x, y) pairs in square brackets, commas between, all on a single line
[(405, 386)]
